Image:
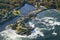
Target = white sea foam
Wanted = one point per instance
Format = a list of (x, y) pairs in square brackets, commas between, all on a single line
[(35, 33), (11, 34), (48, 21), (54, 33), (31, 24)]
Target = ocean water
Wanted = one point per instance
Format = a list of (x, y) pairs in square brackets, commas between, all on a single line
[(46, 27)]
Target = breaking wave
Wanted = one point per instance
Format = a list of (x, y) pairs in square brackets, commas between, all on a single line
[(43, 27)]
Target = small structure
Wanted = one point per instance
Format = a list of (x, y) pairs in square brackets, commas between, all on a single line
[(16, 12)]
